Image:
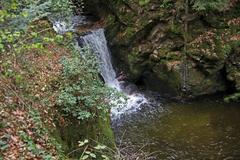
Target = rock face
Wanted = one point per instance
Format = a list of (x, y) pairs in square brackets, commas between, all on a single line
[(92, 8), (148, 41), (233, 68)]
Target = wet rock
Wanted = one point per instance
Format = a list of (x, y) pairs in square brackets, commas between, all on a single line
[(233, 68), (150, 45), (131, 89)]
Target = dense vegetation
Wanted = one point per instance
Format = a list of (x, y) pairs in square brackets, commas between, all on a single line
[(50, 89), (47, 82)]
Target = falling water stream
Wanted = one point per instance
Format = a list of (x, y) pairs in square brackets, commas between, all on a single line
[(97, 42), (200, 130)]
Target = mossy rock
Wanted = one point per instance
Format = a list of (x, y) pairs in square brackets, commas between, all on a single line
[(153, 39), (72, 132)]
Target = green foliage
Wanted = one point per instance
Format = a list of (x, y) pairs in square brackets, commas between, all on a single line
[(166, 4), (82, 94), (205, 5), (94, 150), (143, 2), (33, 148), (30, 10), (175, 28), (39, 131), (16, 15), (4, 142), (232, 98), (226, 49)]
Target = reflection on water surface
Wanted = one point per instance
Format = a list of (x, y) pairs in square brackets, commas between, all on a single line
[(198, 130)]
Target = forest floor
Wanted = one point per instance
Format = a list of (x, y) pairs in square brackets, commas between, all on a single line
[(28, 90)]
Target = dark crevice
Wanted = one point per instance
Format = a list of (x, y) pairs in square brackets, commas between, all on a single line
[(94, 9), (140, 82), (230, 86)]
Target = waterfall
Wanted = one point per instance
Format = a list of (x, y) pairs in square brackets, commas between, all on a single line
[(97, 42)]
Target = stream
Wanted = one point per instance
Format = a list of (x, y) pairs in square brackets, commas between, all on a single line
[(147, 123), (190, 131)]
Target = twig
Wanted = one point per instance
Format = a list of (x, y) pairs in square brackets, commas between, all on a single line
[(122, 138), (83, 152)]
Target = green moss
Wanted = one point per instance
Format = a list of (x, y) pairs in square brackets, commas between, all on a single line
[(129, 32), (105, 132), (156, 30), (232, 98), (143, 2), (226, 49), (98, 130), (135, 65), (170, 78), (175, 28)]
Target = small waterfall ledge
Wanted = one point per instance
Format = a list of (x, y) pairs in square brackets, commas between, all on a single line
[(96, 41)]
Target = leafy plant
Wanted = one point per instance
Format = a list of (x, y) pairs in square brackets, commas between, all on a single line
[(143, 2), (166, 4), (203, 5), (3, 142), (94, 150), (33, 148), (83, 95), (17, 15), (232, 98)]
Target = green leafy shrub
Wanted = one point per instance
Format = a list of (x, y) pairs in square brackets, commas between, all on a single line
[(94, 152), (24, 35), (17, 15), (232, 98), (143, 2), (203, 5), (166, 4), (92, 149), (83, 95)]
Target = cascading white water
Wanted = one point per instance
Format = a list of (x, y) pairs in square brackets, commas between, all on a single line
[(63, 25), (97, 42)]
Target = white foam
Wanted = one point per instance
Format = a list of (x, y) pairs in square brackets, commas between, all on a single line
[(62, 26), (97, 42)]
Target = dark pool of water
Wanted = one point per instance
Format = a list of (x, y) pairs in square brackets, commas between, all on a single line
[(194, 131)]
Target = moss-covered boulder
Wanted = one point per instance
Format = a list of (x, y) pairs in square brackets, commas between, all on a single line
[(148, 40), (72, 131)]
